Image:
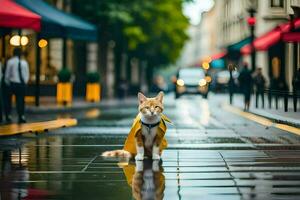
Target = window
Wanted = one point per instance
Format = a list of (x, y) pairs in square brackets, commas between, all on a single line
[(277, 3)]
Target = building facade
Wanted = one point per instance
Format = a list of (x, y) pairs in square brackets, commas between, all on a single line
[(277, 62)]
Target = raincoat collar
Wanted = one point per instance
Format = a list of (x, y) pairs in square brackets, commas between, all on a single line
[(149, 126)]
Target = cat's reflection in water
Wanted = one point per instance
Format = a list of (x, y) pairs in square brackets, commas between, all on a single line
[(146, 179)]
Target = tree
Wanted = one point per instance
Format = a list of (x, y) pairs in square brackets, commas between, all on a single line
[(151, 31)]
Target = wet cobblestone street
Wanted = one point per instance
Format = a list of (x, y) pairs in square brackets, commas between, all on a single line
[(212, 154)]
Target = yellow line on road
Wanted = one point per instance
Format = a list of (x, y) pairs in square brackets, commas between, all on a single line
[(14, 129), (261, 120)]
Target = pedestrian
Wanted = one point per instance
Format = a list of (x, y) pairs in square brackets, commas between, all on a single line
[(245, 80), (296, 88), (259, 82), (231, 68), (17, 76), (1, 102), (5, 92)]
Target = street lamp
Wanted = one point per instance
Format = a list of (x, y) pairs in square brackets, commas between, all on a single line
[(251, 23)]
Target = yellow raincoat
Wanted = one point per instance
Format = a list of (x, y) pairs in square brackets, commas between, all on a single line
[(130, 145)]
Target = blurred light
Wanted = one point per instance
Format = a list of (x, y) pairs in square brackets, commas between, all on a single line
[(251, 21), (43, 77), (15, 40), (180, 82), (205, 65), (93, 113), (43, 43), (202, 82), (122, 164), (20, 157), (173, 79), (208, 79), (24, 40), (207, 59)]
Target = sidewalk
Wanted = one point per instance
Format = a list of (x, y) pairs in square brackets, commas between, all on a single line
[(290, 118), (48, 104), (36, 127)]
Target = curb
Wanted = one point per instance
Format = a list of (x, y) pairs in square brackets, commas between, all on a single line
[(45, 109), (85, 105), (290, 122), (272, 117)]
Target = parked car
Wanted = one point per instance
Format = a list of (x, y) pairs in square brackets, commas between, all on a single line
[(191, 80)]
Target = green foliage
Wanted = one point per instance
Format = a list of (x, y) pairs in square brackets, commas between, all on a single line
[(150, 30), (64, 75), (93, 77)]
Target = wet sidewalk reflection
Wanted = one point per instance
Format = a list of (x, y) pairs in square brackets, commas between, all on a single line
[(145, 178), (212, 154)]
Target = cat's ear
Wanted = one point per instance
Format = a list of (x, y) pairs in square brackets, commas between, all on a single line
[(160, 96), (141, 98)]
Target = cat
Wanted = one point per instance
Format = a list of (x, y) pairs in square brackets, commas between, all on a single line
[(148, 181), (146, 137)]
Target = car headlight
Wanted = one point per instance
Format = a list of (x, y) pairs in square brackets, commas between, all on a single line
[(202, 82), (180, 82)]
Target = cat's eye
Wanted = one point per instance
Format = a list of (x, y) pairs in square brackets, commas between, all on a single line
[(147, 107), (157, 107)]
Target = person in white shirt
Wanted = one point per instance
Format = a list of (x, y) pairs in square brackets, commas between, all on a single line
[(17, 76)]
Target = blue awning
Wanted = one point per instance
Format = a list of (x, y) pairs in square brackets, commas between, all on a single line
[(56, 23), (237, 46), (218, 64)]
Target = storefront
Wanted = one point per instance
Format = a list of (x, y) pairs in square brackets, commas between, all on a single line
[(50, 49), (233, 52), (14, 19), (277, 56)]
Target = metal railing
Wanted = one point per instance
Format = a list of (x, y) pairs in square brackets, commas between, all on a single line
[(284, 96)]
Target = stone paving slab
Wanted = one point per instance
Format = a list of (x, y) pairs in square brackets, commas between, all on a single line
[(211, 155)]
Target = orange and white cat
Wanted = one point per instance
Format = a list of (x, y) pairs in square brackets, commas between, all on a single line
[(146, 137), (148, 181)]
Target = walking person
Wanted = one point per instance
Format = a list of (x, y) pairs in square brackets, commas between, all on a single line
[(245, 80), (296, 88), (259, 82), (5, 90), (231, 82), (1, 94), (17, 76)]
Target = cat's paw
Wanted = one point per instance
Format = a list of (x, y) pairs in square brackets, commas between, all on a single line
[(155, 157), (155, 166), (139, 157), (139, 165)]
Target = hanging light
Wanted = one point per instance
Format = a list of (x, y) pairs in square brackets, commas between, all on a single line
[(15, 40), (24, 40), (42, 43)]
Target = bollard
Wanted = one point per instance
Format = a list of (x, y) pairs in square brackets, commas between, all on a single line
[(285, 102), (295, 100), (276, 101), (270, 99)]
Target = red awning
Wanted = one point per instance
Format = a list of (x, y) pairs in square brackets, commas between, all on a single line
[(218, 55), (270, 38), (13, 15), (291, 37)]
